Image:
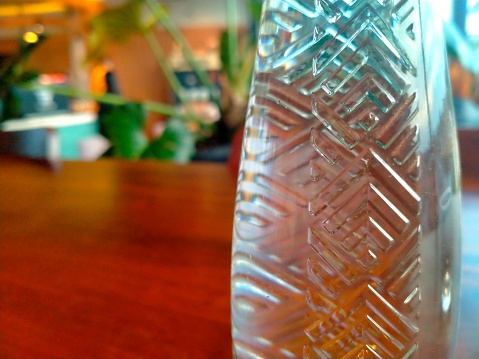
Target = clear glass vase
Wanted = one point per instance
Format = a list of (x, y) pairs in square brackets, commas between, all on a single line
[(347, 223)]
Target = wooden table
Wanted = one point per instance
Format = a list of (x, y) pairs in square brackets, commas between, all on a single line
[(115, 260), (118, 259)]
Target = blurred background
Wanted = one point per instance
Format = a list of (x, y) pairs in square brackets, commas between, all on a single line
[(168, 79)]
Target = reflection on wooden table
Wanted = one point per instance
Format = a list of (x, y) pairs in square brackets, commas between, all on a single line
[(116, 259)]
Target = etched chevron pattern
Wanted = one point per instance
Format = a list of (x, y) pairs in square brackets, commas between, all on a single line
[(325, 255)]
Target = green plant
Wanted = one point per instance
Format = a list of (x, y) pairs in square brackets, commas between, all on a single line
[(237, 54), (236, 51), (118, 24), (141, 17), (125, 123), (14, 73)]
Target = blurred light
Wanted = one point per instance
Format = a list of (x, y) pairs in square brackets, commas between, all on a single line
[(47, 7), (38, 28), (30, 37)]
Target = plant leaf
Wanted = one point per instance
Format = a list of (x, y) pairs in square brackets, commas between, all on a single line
[(163, 19), (115, 25), (225, 56), (27, 77), (176, 143), (124, 127), (12, 104), (12, 70), (255, 7), (232, 33)]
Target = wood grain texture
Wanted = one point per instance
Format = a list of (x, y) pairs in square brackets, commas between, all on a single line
[(116, 259)]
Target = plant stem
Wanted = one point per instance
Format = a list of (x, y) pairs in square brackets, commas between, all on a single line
[(165, 21), (165, 66), (232, 20), (244, 75), (114, 99)]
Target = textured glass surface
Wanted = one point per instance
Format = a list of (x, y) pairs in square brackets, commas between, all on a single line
[(346, 232)]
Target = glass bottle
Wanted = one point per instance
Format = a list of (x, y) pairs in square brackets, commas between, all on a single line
[(346, 229)]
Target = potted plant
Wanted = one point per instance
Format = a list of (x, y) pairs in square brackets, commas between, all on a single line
[(237, 50)]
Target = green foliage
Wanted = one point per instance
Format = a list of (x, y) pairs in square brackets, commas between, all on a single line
[(13, 73), (237, 54), (163, 19), (238, 72), (11, 104), (124, 125), (255, 8), (116, 25), (12, 70), (176, 143)]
